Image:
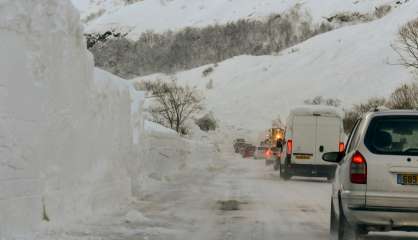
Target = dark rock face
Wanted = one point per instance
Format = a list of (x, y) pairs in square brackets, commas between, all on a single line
[(193, 47)]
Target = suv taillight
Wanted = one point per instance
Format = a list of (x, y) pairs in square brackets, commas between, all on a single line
[(358, 169), (289, 147)]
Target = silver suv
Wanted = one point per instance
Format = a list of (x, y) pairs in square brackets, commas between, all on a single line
[(376, 184)]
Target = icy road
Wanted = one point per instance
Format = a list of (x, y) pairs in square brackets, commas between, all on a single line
[(190, 208), (270, 207)]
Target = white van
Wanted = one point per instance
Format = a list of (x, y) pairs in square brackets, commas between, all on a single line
[(311, 131)]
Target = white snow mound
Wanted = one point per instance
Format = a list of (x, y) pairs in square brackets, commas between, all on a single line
[(134, 216)]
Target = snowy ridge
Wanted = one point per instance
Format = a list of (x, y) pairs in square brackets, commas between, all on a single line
[(350, 64), (164, 15)]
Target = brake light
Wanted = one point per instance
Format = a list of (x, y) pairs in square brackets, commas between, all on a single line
[(268, 153), (341, 147), (358, 169), (289, 146)]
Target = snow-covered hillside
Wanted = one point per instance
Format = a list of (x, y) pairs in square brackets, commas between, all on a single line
[(163, 15), (351, 63)]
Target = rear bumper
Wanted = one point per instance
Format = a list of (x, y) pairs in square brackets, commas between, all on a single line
[(383, 218), (310, 170)]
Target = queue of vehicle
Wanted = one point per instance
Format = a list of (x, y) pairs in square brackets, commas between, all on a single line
[(376, 171)]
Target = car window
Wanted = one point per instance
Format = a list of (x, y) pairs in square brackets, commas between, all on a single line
[(393, 135), (353, 135)]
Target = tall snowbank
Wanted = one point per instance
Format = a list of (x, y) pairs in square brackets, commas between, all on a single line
[(170, 158), (66, 138), (165, 154)]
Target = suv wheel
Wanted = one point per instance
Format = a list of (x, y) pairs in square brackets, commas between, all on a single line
[(334, 224), (341, 229)]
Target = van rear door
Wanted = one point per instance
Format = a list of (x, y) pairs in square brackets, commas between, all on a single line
[(304, 135), (328, 136)]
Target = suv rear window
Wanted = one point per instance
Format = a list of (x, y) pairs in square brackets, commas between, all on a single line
[(393, 135)]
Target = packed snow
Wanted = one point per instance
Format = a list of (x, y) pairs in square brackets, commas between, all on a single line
[(164, 15), (155, 127), (352, 64)]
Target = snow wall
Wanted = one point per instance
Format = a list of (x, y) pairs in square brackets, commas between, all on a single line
[(68, 133), (167, 153)]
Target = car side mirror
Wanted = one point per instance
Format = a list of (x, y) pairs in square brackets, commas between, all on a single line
[(334, 157)]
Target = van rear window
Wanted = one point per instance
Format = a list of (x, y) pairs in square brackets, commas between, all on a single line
[(391, 135)]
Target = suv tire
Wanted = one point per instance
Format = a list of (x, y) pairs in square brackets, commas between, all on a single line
[(341, 229), (334, 224)]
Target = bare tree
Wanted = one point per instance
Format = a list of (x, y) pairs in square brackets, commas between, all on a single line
[(404, 97), (407, 46), (174, 104), (358, 110), (319, 100), (370, 105), (191, 47), (333, 102)]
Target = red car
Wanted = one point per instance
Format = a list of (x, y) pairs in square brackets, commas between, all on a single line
[(247, 151), (239, 142)]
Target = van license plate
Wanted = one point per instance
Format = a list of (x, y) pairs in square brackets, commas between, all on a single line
[(408, 179), (303, 157)]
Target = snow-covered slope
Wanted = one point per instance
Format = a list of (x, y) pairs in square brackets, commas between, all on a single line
[(350, 63), (163, 15)]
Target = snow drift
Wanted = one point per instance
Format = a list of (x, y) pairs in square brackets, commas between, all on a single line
[(67, 138)]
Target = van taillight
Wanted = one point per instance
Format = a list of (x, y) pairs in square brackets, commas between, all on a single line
[(358, 169), (341, 147), (289, 147)]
